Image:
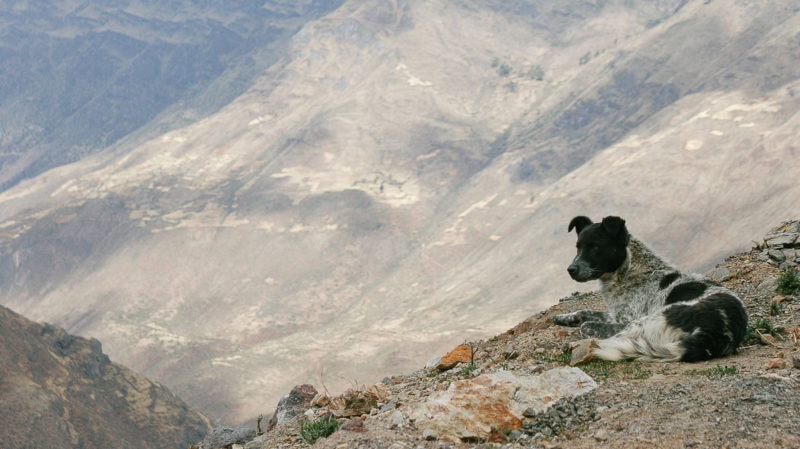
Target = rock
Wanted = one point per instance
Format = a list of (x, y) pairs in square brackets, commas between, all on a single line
[(776, 255), (379, 391), (768, 339), (397, 420), (460, 354), (796, 361), (473, 408), (257, 442), (719, 273), (529, 412), (433, 363), (293, 404), (392, 405), (429, 434), (354, 425), (321, 400), (783, 240), (223, 437), (582, 351), (358, 402), (601, 435), (776, 363)]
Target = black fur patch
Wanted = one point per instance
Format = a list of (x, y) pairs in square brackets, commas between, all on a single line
[(685, 292), (668, 279), (707, 323)]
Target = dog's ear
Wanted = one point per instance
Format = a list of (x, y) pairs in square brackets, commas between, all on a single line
[(579, 223), (615, 227)]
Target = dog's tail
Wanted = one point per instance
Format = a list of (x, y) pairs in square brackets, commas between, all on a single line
[(692, 331), (649, 339)]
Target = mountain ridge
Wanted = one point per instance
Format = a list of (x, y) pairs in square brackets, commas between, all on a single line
[(59, 390)]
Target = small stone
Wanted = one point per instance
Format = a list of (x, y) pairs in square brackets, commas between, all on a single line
[(539, 351), (354, 425), (529, 412), (397, 420), (601, 435), (429, 434), (510, 353), (768, 339), (776, 363), (389, 406)]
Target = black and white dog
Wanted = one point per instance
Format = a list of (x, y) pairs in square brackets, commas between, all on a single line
[(655, 312)]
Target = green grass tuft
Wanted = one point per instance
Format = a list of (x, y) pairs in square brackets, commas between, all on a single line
[(311, 431), (626, 369), (717, 371), (562, 358), (789, 282), (467, 369), (762, 326)]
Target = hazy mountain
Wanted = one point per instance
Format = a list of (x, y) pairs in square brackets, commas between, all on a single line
[(78, 76), (62, 391), (401, 180)]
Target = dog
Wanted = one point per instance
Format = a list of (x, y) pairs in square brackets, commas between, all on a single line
[(655, 312)]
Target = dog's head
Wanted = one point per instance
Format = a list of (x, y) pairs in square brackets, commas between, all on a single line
[(602, 247)]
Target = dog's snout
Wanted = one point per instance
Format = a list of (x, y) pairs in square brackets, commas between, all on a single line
[(572, 269)]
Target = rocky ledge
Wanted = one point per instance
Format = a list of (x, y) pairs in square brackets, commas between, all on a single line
[(515, 390)]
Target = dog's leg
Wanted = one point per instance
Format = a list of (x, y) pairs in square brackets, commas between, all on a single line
[(598, 329), (575, 319)]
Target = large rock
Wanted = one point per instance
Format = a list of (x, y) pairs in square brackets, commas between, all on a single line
[(225, 437), (475, 409), (293, 404), (781, 244)]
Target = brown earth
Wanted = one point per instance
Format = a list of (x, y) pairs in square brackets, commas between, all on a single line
[(749, 400)]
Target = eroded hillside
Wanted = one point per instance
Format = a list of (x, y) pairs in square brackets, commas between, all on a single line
[(61, 391)]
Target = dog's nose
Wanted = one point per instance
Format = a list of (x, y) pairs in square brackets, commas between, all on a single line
[(572, 269)]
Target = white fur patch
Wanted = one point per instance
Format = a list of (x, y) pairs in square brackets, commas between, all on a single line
[(649, 338)]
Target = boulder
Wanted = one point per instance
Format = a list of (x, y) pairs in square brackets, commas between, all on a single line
[(477, 408)]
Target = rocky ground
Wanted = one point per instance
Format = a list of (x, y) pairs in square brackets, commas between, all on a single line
[(749, 400)]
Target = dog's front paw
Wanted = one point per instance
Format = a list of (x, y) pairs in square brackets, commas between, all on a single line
[(567, 319)]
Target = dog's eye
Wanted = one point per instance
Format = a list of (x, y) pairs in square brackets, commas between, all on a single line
[(594, 248)]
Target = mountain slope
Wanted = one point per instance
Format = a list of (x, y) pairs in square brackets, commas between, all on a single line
[(515, 389), (402, 180), (62, 391), (78, 77)]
